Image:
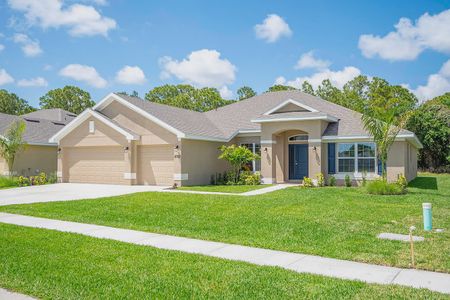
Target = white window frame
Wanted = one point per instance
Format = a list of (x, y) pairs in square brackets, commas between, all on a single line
[(254, 152), (299, 141), (356, 174)]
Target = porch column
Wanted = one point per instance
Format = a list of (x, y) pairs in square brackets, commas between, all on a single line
[(315, 158), (268, 161)]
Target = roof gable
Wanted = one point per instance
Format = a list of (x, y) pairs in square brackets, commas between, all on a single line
[(289, 106)]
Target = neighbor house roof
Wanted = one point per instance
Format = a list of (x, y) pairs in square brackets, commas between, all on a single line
[(52, 114), (37, 131), (224, 123)]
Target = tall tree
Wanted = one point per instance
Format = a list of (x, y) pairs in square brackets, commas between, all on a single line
[(187, 97), (280, 87), (329, 92), (382, 121), (431, 123), (308, 88), (70, 98), (245, 92), (11, 142), (11, 104)]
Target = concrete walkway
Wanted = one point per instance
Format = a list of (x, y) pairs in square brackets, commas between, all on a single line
[(69, 192), (301, 263), (261, 191), (7, 295)]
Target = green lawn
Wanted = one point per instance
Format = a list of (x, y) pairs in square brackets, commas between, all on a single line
[(333, 222), (224, 188), (55, 265)]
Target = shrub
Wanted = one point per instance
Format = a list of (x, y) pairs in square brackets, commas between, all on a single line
[(7, 181), (219, 179), (382, 187), (52, 178), (401, 182), (348, 181), (320, 180), (307, 182), (332, 181), (23, 181), (249, 178), (41, 178), (212, 180), (364, 180)]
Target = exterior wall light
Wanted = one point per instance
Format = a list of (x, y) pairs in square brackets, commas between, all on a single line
[(59, 150), (177, 147), (126, 149), (265, 149)]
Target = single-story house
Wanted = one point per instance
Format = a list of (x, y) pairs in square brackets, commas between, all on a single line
[(39, 155), (127, 140)]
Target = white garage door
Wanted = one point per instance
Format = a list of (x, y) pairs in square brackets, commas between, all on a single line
[(155, 165), (95, 165)]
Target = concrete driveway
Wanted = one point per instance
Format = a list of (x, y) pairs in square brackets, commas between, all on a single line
[(69, 192)]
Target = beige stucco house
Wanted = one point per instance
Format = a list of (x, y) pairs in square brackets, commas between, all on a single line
[(39, 155), (127, 140)]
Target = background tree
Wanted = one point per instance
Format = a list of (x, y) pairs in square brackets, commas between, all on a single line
[(187, 96), (245, 92), (11, 142), (11, 104), (238, 157), (329, 92), (70, 98), (308, 88), (279, 87), (431, 123)]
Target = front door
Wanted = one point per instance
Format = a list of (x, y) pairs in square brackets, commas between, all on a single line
[(298, 161)]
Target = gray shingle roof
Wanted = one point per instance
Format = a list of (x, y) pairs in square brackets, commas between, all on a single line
[(292, 115), (227, 120), (53, 114), (38, 131)]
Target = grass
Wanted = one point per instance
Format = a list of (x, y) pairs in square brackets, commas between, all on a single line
[(56, 265), (8, 182), (224, 188), (333, 222)]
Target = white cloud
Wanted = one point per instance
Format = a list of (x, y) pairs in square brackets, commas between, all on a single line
[(83, 73), (225, 92), (131, 75), (5, 78), (308, 61), (81, 20), (272, 28), (2, 47), (30, 48), (202, 68), (437, 84), (409, 40), (337, 78), (33, 82), (47, 67)]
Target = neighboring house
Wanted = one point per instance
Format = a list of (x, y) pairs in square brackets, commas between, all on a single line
[(39, 154), (127, 140)]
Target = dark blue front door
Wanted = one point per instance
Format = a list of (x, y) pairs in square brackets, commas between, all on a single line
[(298, 161)]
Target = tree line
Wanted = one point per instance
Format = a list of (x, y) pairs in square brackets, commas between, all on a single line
[(375, 96)]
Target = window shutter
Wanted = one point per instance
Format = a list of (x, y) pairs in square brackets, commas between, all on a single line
[(379, 167), (331, 158)]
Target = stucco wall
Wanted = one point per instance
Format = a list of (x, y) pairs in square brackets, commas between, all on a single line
[(199, 159), (150, 132), (33, 160)]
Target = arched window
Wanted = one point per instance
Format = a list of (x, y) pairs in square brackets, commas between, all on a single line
[(298, 138)]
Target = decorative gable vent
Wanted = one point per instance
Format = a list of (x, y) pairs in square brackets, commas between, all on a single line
[(290, 106)]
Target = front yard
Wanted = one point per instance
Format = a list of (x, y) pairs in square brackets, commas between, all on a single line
[(55, 265), (334, 222)]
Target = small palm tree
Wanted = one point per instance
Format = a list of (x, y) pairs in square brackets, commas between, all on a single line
[(12, 142), (383, 126)]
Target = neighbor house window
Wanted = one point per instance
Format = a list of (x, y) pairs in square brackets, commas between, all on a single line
[(356, 157), (255, 165)]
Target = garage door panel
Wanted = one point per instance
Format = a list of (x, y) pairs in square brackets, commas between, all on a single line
[(155, 165), (95, 165)]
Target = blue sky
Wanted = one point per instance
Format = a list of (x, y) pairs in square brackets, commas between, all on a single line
[(47, 44)]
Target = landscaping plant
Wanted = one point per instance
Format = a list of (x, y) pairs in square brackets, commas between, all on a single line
[(8, 182), (307, 182), (382, 187), (11, 143), (238, 157), (332, 181), (320, 180), (348, 181)]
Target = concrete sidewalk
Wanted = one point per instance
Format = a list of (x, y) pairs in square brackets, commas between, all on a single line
[(301, 263), (7, 295)]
